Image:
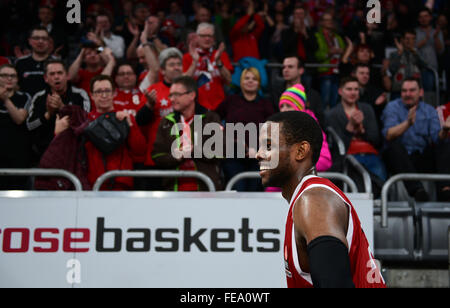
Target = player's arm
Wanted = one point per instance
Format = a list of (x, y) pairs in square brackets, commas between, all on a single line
[(321, 221)]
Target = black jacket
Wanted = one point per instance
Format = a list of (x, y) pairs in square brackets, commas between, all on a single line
[(42, 130)]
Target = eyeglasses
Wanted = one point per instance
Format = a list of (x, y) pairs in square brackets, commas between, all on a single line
[(10, 76), (106, 92), (39, 38), (175, 94)]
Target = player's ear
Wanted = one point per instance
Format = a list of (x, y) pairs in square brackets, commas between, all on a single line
[(302, 150)]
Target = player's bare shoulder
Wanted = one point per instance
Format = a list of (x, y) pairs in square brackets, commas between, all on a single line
[(320, 212)]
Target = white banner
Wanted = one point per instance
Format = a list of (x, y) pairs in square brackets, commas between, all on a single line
[(182, 240)]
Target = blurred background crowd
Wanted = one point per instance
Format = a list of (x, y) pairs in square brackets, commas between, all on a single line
[(381, 88)]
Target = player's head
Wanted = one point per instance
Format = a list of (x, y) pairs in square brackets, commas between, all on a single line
[(295, 138)]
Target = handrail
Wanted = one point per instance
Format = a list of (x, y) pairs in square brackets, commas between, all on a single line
[(341, 146), (328, 175), (404, 176), (360, 168), (44, 172), (154, 173), (436, 81)]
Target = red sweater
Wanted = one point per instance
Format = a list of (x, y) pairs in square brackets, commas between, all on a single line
[(120, 159), (246, 44)]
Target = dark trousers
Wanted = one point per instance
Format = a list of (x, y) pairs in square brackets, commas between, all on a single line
[(147, 184), (399, 161), (443, 161), (14, 182)]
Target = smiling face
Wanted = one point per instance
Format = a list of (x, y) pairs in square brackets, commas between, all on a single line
[(350, 92), (102, 94), (274, 156), (249, 82)]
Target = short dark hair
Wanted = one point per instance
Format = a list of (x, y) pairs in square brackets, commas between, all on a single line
[(54, 61), (358, 65), (106, 13), (346, 80), (413, 79), (101, 78), (38, 28), (409, 31), (188, 82), (121, 63), (300, 63), (299, 126), (424, 9)]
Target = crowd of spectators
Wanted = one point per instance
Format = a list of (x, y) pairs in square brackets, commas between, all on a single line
[(156, 63)]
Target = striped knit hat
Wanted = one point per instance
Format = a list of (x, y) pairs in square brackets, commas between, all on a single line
[(295, 97)]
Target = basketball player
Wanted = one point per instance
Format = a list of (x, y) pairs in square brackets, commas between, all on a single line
[(325, 245)]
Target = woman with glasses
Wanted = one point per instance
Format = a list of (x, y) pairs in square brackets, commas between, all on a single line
[(14, 140)]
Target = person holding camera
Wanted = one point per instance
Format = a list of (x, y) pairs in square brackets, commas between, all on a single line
[(96, 61), (15, 140)]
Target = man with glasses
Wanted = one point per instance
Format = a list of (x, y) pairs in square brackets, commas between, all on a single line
[(184, 120), (127, 96), (102, 89), (210, 67), (31, 68), (47, 103)]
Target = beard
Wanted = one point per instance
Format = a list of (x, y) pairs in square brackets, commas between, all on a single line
[(278, 177)]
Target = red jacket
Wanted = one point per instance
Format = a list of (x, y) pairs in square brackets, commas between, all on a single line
[(246, 44), (120, 159)]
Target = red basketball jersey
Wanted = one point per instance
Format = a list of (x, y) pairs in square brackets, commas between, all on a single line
[(365, 273)]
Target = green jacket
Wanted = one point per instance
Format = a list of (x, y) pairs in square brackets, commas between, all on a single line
[(321, 54), (162, 150)]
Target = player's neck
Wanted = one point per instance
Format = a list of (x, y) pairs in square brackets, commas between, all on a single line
[(291, 186)]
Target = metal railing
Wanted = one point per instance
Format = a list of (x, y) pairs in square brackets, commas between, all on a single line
[(350, 159), (154, 173), (437, 86), (340, 144), (360, 168), (406, 177), (44, 172), (328, 175)]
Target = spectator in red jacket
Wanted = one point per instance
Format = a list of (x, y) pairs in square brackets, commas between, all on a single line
[(102, 89), (245, 34), (210, 67)]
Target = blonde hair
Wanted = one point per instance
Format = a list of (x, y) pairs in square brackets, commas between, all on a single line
[(255, 72)]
